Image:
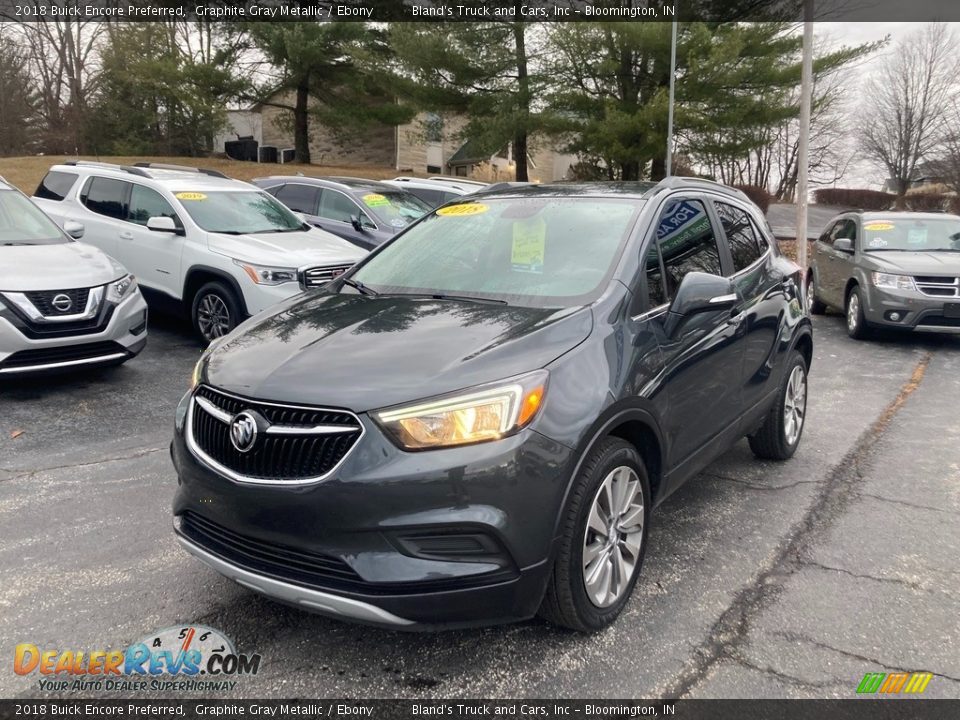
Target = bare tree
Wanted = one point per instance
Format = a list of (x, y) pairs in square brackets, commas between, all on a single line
[(945, 163), (903, 113), (17, 101)]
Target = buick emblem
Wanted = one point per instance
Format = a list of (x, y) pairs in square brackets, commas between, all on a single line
[(243, 431), (62, 302), (337, 272)]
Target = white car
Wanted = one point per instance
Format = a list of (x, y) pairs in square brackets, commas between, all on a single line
[(63, 304), (436, 191), (220, 249)]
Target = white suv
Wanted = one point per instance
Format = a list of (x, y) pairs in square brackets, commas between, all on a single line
[(436, 191), (220, 248)]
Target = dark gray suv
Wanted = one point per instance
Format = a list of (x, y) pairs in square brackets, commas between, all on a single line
[(474, 423), (897, 270)]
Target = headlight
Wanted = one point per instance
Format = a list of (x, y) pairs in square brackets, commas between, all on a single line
[(118, 290), (471, 417), (266, 275), (195, 376), (896, 282)]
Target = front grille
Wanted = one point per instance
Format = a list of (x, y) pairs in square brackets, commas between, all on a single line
[(938, 286), (44, 356), (939, 321), (43, 301), (300, 453), (319, 276), (278, 561)]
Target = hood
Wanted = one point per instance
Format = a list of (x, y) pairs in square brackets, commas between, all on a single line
[(63, 266), (361, 352), (917, 263), (287, 249)]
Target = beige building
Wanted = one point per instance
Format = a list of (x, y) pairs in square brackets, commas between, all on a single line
[(430, 144)]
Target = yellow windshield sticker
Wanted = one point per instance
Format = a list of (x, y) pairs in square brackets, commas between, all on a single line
[(375, 200), (878, 226), (461, 210), (190, 196), (529, 245)]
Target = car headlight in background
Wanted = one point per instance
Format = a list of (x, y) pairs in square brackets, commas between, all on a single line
[(470, 417), (119, 289), (894, 282), (266, 275)]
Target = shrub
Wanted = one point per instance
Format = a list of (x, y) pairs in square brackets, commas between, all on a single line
[(757, 194), (854, 198), (926, 201)]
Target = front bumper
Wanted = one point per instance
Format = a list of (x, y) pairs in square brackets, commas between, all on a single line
[(356, 527), (123, 337), (915, 311)]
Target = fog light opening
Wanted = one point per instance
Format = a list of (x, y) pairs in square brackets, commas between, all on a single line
[(895, 315)]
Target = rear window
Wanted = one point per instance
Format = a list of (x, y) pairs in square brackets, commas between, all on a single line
[(55, 185)]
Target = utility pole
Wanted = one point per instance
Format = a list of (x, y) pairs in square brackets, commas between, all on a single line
[(803, 159), (673, 80)]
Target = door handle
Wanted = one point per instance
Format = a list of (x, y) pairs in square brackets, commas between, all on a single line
[(737, 319), (126, 235)]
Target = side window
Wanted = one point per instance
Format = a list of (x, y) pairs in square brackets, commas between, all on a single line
[(688, 242), (55, 185), (337, 206), (745, 245), (656, 292), (146, 203), (847, 229), (299, 198), (106, 196)]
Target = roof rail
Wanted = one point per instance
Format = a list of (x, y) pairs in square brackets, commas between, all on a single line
[(181, 168), (676, 181), (108, 166), (454, 178)]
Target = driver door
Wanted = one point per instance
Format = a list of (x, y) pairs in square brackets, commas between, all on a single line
[(154, 257)]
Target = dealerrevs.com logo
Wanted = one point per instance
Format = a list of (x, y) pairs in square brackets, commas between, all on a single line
[(176, 659)]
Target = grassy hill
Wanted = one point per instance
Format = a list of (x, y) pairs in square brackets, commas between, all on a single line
[(26, 172)]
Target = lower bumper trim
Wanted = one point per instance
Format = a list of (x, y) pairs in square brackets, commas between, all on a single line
[(64, 363), (938, 329), (314, 600)]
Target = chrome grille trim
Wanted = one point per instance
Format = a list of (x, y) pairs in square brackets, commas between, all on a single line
[(938, 287), (94, 299), (313, 277), (284, 430)]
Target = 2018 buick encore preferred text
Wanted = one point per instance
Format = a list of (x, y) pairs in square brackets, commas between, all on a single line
[(474, 423)]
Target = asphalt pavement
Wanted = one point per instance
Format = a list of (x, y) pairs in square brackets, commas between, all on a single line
[(761, 579)]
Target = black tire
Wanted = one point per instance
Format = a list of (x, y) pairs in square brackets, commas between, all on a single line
[(856, 322), (771, 441), (209, 298), (813, 305), (566, 601)]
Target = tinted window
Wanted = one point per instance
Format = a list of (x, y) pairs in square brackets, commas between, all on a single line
[(687, 241), (55, 185), (543, 252), (299, 198), (337, 206), (431, 197), (106, 197), (746, 246), (146, 203)]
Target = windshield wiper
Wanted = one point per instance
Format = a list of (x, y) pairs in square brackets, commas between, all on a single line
[(466, 298), (359, 287)]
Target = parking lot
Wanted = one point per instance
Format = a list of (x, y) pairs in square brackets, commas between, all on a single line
[(761, 579)]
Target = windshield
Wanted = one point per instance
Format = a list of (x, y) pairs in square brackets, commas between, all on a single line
[(395, 209), (238, 212), (545, 252), (23, 223), (912, 235)]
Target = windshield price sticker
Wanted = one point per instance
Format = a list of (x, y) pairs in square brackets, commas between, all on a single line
[(190, 196), (917, 235), (375, 200), (529, 245), (462, 210), (878, 226)]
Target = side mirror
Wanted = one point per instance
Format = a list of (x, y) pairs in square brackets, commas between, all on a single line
[(843, 245), (355, 221), (73, 229), (301, 217), (162, 224), (699, 292)]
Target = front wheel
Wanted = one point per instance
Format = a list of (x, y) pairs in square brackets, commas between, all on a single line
[(215, 311), (814, 306), (603, 542), (857, 327), (779, 436)]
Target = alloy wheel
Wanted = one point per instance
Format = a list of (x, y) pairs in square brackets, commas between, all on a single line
[(794, 405), (613, 537), (213, 317), (809, 297), (853, 312)]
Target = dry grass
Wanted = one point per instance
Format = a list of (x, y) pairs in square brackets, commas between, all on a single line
[(26, 172)]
